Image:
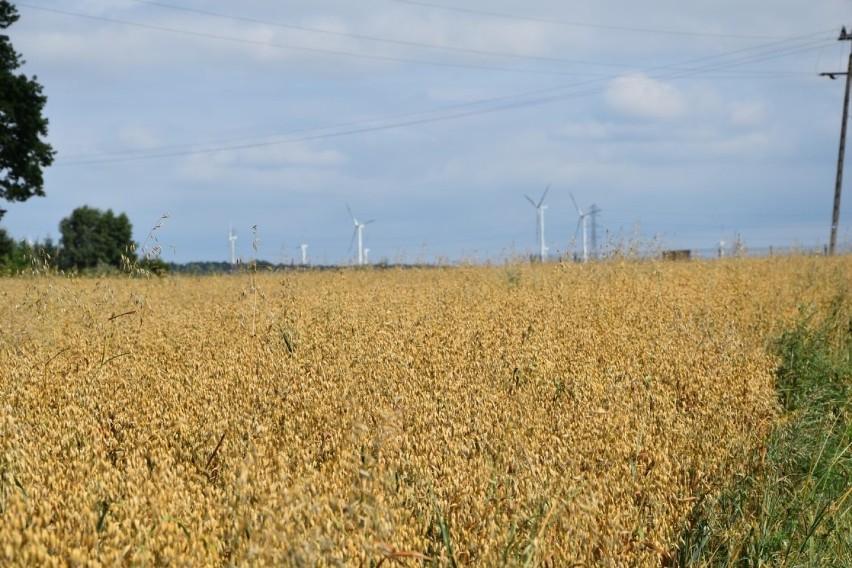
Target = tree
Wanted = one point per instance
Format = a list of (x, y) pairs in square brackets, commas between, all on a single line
[(20, 255), (23, 153), (7, 245), (91, 237)]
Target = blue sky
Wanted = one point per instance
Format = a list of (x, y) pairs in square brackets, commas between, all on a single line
[(685, 123)]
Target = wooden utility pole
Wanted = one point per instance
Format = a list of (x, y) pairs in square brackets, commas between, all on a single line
[(835, 213)]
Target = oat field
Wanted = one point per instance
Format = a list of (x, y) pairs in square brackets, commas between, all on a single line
[(562, 415)]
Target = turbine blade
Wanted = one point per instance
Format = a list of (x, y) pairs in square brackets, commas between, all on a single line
[(368, 222), (543, 195), (352, 240), (574, 201), (531, 201), (577, 230), (354, 220)]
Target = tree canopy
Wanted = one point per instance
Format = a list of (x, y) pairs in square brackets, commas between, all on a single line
[(91, 237), (7, 244), (23, 153)]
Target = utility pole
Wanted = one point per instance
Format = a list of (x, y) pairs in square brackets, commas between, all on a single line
[(835, 212)]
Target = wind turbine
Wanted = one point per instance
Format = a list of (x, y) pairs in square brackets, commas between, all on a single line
[(232, 237), (304, 248), (540, 207), (359, 231), (582, 220)]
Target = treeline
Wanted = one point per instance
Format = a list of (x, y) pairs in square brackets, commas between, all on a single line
[(23, 256), (28, 257), (18, 256), (91, 240)]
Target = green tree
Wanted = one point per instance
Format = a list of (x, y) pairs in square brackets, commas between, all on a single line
[(7, 244), (16, 256), (7, 247), (91, 237), (23, 153)]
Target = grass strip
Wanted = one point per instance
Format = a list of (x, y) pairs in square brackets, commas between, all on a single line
[(793, 506)]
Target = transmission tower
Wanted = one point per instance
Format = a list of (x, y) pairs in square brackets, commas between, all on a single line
[(594, 211)]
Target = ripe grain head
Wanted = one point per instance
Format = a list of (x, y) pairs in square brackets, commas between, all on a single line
[(568, 412)]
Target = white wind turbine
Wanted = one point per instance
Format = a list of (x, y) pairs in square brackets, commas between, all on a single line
[(359, 231), (540, 207), (582, 220), (304, 248), (232, 237)]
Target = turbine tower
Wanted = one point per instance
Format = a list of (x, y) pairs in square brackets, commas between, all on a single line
[(304, 248), (359, 232), (540, 207), (581, 220), (232, 237)]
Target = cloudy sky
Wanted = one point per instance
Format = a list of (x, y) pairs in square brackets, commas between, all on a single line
[(685, 123)]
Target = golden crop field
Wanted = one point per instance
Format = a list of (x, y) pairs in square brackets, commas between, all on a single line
[(566, 415)]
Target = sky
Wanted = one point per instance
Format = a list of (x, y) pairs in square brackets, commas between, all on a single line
[(685, 124)]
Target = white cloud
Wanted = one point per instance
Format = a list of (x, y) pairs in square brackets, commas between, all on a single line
[(586, 130), (455, 94), (289, 154), (114, 87), (464, 31), (265, 165), (641, 96), (133, 136), (745, 113), (750, 144)]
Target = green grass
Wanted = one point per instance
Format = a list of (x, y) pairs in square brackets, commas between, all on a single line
[(793, 507)]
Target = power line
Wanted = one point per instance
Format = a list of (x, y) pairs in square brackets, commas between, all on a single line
[(676, 71), (334, 52), (102, 157), (507, 103), (579, 24), (792, 50), (404, 60), (342, 53), (406, 43), (409, 43)]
